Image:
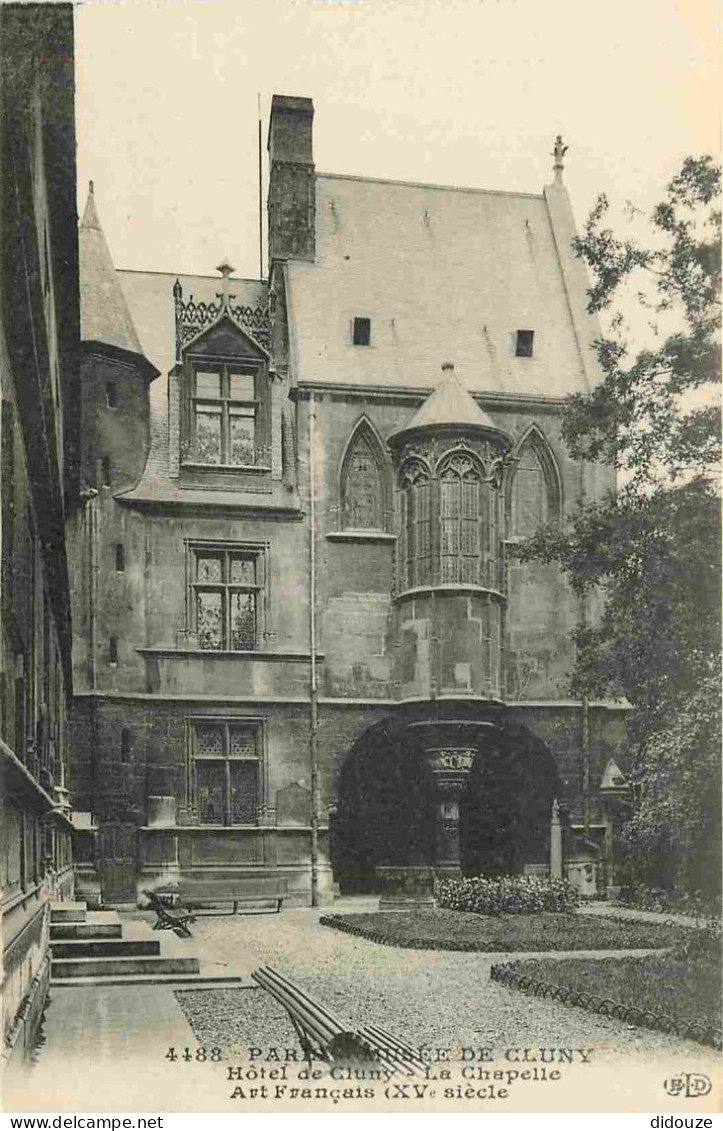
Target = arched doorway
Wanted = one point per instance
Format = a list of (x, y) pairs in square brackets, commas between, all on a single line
[(385, 812)]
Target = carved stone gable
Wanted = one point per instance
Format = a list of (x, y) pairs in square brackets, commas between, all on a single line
[(226, 339)]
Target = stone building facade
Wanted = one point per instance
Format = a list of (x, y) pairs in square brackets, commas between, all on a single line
[(39, 371), (304, 649)]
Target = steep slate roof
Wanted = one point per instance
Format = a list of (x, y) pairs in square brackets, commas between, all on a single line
[(449, 404), (441, 272), (104, 314)]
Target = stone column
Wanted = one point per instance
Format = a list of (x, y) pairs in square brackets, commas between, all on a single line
[(555, 843), (449, 768)]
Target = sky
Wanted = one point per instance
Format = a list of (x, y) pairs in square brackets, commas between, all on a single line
[(458, 92)]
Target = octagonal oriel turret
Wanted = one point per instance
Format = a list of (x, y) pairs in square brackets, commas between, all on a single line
[(450, 459)]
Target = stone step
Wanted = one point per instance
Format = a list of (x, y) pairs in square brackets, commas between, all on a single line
[(104, 948), (74, 968), (187, 980), (68, 912), (98, 925)]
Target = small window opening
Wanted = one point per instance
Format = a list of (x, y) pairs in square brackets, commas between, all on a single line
[(105, 463), (524, 343), (120, 557), (113, 650), (111, 395), (125, 745), (362, 331)]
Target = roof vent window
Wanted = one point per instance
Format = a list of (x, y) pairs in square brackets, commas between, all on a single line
[(523, 347), (362, 331)]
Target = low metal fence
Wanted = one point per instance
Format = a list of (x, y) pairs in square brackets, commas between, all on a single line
[(701, 1031)]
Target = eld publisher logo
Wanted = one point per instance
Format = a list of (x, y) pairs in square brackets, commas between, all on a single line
[(688, 1084)]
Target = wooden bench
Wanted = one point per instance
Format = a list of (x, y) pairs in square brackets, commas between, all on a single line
[(211, 893), (324, 1037), (169, 918)]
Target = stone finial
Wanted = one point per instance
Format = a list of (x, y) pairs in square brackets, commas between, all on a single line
[(226, 270), (91, 188), (558, 153)]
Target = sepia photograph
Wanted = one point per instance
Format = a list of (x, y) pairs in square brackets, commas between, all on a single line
[(360, 601)]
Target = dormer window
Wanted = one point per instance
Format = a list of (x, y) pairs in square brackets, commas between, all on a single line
[(523, 346), (225, 399), (225, 406), (362, 331)]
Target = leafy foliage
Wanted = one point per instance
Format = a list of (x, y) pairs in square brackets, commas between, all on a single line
[(650, 555), (507, 894), (675, 835), (641, 416)]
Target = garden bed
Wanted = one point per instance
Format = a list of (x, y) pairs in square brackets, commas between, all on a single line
[(443, 929), (663, 992)]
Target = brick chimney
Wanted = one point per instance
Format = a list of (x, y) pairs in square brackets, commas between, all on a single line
[(292, 190)]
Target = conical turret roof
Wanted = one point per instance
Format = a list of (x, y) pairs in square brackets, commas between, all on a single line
[(104, 314), (450, 405)]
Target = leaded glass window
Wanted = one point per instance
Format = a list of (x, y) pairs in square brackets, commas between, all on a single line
[(417, 524), (529, 494), (459, 518), (362, 499), (225, 407), (226, 772), (225, 590)]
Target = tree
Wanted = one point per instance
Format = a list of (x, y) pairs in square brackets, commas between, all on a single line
[(652, 549)]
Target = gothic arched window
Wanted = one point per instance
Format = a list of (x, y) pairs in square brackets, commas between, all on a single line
[(417, 520), (459, 521), (535, 495), (362, 495)]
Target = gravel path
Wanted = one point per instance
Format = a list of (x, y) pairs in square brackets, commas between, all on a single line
[(431, 998)]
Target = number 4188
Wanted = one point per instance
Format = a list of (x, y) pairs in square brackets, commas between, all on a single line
[(201, 1054)]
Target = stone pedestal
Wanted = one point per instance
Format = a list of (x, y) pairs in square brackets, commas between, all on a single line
[(449, 767), (405, 886)]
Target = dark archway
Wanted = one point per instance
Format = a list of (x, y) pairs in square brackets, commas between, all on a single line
[(505, 808), (383, 812), (385, 806)]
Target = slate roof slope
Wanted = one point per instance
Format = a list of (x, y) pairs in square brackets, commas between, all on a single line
[(441, 272), (448, 404), (104, 314)]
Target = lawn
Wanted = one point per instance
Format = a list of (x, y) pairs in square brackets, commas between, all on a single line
[(683, 988), (441, 929)]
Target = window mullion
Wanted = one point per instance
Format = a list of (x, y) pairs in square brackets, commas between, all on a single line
[(225, 433), (227, 618), (227, 769)]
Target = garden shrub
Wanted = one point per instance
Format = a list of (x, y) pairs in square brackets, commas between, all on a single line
[(702, 943), (507, 894), (697, 904)]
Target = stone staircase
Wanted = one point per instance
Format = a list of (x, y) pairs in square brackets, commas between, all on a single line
[(97, 948)]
